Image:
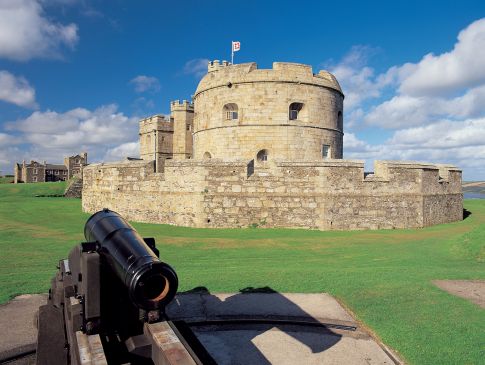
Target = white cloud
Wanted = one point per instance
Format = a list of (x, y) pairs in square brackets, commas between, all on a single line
[(25, 31), (16, 90), (144, 83), (358, 81), (143, 106), (130, 149), (354, 144), (103, 132), (461, 143), (7, 140), (8, 156), (60, 2), (462, 67), (448, 86), (442, 135), (196, 67), (407, 111)]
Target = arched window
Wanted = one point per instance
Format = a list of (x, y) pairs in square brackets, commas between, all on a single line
[(294, 110), (230, 112), (207, 156), (262, 156), (340, 121)]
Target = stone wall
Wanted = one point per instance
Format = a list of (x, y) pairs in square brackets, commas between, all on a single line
[(323, 194)]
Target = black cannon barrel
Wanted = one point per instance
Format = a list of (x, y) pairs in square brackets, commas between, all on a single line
[(151, 284)]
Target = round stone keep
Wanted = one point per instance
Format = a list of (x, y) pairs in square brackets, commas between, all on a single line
[(286, 113)]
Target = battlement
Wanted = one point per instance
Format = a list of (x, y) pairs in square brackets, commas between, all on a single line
[(324, 74), (216, 65), (249, 72), (155, 122), (183, 105), (292, 67), (158, 118)]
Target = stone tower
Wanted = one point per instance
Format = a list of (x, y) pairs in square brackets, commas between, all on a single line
[(156, 138), (75, 164), (286, 113), (164, 138), (183, 118)]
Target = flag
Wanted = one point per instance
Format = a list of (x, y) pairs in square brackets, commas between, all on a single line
[(236, 46)]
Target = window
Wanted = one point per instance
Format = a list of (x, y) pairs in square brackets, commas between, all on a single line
[(262, 155), (326, 151), (56, 172), (188, 127), (231, 115), (294, 111), (77, 160), (34, 179), (340, 121), (35, 171), (230, 112)]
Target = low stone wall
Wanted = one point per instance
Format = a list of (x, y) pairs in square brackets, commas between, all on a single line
[(329, 194)]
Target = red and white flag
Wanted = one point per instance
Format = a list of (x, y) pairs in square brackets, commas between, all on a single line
[(236, 46)]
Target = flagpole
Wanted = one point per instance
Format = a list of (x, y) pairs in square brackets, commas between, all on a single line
[(232, 52)]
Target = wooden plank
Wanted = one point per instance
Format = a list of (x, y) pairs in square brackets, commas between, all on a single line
[(166, 346), (90, 349)]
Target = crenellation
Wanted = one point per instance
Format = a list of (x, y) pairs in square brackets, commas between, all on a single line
[(184, 105), (216, 65)]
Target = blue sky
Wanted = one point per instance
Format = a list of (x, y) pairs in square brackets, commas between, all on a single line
[(76, 75)]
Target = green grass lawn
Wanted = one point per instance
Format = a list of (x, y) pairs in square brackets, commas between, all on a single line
[(384, 277), (6, 179)]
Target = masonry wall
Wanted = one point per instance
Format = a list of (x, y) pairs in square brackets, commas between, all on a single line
[(33, 172), (327, 195)]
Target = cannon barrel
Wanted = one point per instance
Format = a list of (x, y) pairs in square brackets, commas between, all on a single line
[(151, 284)]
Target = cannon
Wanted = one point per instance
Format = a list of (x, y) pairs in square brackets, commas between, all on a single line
[(107, 301)]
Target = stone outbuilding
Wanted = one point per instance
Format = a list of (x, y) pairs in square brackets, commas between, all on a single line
[(34, 171)]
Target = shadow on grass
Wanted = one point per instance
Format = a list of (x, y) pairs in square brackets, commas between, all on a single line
[(466, 213), (234, 322)]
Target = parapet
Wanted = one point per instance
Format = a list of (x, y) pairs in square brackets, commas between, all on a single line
[(155, 119), (155, 122), (287, 72), (216, 65), (183, 105)]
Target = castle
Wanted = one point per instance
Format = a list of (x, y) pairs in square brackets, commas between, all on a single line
[(264, 147), (34, 171)]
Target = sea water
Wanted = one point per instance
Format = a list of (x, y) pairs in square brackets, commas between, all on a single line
[(471, 195)]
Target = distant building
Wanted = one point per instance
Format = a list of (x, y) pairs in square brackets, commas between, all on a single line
[(43, 172)]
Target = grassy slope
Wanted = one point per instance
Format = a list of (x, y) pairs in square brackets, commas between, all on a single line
[(6, 180), (384, 277)]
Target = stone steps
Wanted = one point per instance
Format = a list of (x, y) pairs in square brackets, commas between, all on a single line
[(74, 189)]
